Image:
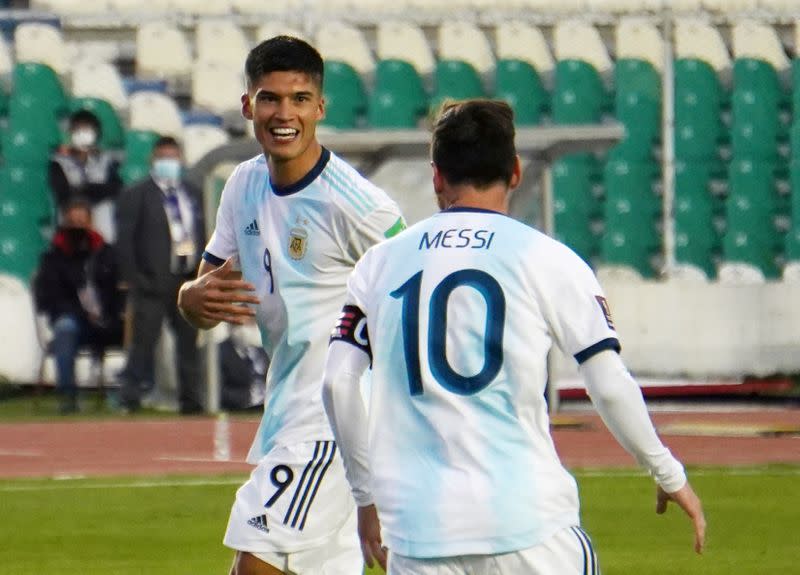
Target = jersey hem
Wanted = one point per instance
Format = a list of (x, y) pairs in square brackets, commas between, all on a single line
[(212, 259), (610, 343)]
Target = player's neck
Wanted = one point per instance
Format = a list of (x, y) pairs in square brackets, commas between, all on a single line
[(494, 198), (287, 172)]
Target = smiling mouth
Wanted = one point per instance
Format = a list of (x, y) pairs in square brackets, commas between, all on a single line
[(284, 134)]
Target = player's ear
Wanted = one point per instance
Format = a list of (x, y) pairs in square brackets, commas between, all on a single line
[(247, 107), (321, 109), (516, 174)]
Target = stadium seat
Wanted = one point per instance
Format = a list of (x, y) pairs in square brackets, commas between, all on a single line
[(404, 40), (6, 59), (200, 7), (577, 40), (518, 83), (43, 43), (521, 41), (575, 180), (138, 149), (4, 99), (35, 117), (99, 80), (580, 96), (113, 134), (398, 99), (698, 110), (796, 88), (793, 236), (199, 139), (465, 42), (132, 7), (157, 112), (456, 79), (217, 87), (268, 10), (220, 41), (27, 190), (794, 139), (637, 104), (345, 98), (341, 42), (273, 28), (696, 39), (624, 6), (22, 147), (19, 249), (757, 99), (162, 51), (759, 41), (696, 239), (40, 83), (638, 39)]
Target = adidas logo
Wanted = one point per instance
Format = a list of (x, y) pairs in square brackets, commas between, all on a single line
[(259, 523), (252, 229)]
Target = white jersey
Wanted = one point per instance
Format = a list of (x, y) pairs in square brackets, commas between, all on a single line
[(461, 312), (297, 245)]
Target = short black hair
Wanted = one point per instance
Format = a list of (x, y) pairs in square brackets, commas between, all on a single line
[(77, 202), (473, 142), (83, 116), (283, 54), (166, 142)]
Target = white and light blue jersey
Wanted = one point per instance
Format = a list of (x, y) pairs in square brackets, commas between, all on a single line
[(297, 245), (461, 312)]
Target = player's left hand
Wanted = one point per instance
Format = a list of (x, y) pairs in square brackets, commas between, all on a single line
[(687, 500), (369, 532)]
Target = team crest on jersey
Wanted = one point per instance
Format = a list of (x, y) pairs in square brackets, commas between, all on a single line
[(606, 310), (298, 241)]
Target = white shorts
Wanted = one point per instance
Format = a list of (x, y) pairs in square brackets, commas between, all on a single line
[(568, 552), (296, 512)]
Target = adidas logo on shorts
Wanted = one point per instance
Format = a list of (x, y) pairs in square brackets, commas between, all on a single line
[(259, 523), (252, 229)]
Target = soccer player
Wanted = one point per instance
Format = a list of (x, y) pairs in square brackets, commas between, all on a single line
[(456, 316), (294, 221)]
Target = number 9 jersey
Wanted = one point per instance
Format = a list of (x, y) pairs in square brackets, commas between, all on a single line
[(461, 312)]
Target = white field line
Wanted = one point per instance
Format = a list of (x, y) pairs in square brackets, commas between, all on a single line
[(197, 459), (19, 453)]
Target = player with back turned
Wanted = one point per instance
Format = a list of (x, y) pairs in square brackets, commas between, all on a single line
[(296, 218), (456, 316)]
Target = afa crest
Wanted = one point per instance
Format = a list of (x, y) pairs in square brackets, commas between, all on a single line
[(298, 241)]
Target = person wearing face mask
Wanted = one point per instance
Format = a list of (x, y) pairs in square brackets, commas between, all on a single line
[(160, 238), (76, 286), (81, 168)]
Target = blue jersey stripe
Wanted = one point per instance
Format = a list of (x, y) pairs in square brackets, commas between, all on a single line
[(338, 187), (352, 186)]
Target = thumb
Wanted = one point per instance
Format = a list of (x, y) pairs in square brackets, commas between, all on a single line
[(226, 267), (661, 501)]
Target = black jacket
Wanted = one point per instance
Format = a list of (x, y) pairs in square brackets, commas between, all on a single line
[(64, 270)]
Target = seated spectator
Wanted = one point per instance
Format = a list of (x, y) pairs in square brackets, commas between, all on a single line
[(80, 168), (243, 367), (76, 286)]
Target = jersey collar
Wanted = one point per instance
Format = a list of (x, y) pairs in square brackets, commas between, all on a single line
[(305, 180), (469, 209)]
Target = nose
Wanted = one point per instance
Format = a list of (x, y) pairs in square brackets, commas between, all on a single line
[(284, 111)]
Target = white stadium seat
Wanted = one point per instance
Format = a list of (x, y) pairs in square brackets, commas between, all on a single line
[(199, 7), (6, 58), (404, 40), (735, 273), (686, 6), (576, 40), (639, 39), (20, 354), (460, 40), (780, 6), (760, 41), (162, 50), (99, 80), (625, 6), (277, 28), (70, 6), (272, 9), (44, 43), (560, 7), (134, 7), (155, 111), (522, 41), (730, 6), (199, 139), (220, 40), (217, 87), (345, 43), (698, 39)]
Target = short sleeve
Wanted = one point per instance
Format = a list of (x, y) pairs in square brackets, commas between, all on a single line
[(577, 310), (222, 244), (382, 223)]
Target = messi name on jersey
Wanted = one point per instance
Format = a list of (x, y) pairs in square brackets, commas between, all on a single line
[(457, 238)]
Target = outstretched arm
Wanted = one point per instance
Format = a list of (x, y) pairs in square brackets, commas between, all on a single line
[(217, 294), (619, 401), (341, 395)]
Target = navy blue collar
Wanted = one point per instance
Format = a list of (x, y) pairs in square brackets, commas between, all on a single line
[(469, 209), (305, 180)]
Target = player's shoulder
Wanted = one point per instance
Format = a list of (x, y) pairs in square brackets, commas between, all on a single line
[(351, 191), (252, 171)]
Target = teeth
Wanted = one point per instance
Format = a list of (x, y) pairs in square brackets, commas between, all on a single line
[(284, 131)]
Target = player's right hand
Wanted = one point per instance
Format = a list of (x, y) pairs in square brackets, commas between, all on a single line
[(219, 295), (369, 531), (688, 500)]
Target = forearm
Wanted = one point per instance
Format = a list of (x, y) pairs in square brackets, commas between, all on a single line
[(341, 395), (619, 401)]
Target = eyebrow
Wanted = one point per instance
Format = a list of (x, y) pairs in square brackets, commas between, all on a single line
[(275, 94)]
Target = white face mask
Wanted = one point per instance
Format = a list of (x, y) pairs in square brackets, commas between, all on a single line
[(83, 138), (167, 169)]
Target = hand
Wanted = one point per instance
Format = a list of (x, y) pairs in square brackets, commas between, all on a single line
[(369, 531), (217, 296), (687, 499)]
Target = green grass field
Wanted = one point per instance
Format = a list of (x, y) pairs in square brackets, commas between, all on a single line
[(173, 525)]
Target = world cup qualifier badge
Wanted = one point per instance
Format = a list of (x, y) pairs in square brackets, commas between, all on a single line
[(298, 241), (606, 310)]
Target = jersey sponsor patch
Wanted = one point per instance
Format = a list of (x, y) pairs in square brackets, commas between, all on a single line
[(606, 310), (352, 328)]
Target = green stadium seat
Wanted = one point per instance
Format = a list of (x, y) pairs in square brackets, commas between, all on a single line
[(138, 149), (40, 82), (345, 97), (580, 96), (23, 147), (398, 99), (575, 202), (637, 106), (455, 80), (31, 115), (794, 139), (796, 89), (519, 84), (756, 105), (793, 237), (113, 136), (695, 208), (4, 99), (21, 238), (28, 189), (699, 100)]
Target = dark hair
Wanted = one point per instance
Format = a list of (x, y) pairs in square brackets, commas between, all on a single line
[(166, 141), (283, 54), (473, 142), (85, 117), (76, 202)]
